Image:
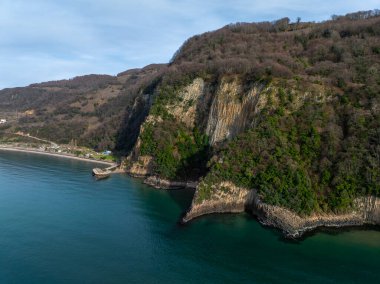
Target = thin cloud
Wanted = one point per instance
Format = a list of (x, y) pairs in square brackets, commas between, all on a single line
[(44, 40)]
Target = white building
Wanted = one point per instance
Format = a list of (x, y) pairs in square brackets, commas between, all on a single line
[(3, 121)]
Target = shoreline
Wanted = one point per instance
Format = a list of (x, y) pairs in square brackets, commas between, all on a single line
[(299, 230), (288, 222), (366, 212), (66, 156)]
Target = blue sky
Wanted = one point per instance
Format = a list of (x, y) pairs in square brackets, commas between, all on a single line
[(43, 40)]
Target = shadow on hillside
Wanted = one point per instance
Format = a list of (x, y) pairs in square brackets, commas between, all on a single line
[(132, 120), (195, 166)]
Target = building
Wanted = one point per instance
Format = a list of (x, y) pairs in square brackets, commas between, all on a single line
[(107, 152), (3, 121)]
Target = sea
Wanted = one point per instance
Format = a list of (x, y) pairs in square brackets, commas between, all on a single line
[(59, 225)]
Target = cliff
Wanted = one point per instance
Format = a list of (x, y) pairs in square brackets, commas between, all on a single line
[(247, 126), (228, 198), (221, 110), (232, 110), (365, 212)]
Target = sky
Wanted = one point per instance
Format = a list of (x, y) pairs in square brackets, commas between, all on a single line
[(43, 40)]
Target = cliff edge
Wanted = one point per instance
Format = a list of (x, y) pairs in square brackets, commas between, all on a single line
[(229, 198)]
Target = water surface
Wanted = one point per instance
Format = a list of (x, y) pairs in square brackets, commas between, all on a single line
[(58, 225)]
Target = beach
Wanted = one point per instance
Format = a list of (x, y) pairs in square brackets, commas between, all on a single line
[(59, 155)]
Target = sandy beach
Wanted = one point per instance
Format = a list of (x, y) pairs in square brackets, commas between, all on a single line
[(66, 156)]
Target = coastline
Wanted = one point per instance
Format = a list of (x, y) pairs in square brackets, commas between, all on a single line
[(66, 156), (239, 200), (366, 211)]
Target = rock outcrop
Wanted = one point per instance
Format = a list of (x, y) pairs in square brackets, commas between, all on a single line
[(142, 167), (232, 199), (366, 212), (186, 109), (160, 183), (226, 198), (232, 110)]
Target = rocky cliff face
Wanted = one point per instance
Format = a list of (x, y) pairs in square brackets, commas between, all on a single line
[(228, 198), (141, 167), (190, 97), (221, 110), (366, 212), (221, 114), (233, 109)]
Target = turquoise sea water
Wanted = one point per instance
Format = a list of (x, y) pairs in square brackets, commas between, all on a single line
[(58, 225)]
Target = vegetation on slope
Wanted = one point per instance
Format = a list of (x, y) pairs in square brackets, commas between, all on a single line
[(319, 157), (336, 53), (179, 152), (99, 111), (308, 154)]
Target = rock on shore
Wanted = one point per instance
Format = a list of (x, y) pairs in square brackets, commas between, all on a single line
[(160, 183), (235, 200)]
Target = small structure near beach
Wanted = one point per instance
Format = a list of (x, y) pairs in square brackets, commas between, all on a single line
[(100, 173), (104, 173)]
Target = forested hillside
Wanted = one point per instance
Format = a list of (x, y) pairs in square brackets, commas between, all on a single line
[(95, 110), (310, 95)]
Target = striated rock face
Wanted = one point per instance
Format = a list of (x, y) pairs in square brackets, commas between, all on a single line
[(222, 114), (370, 206), (236, 200), (232, 110), (367, 211)]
